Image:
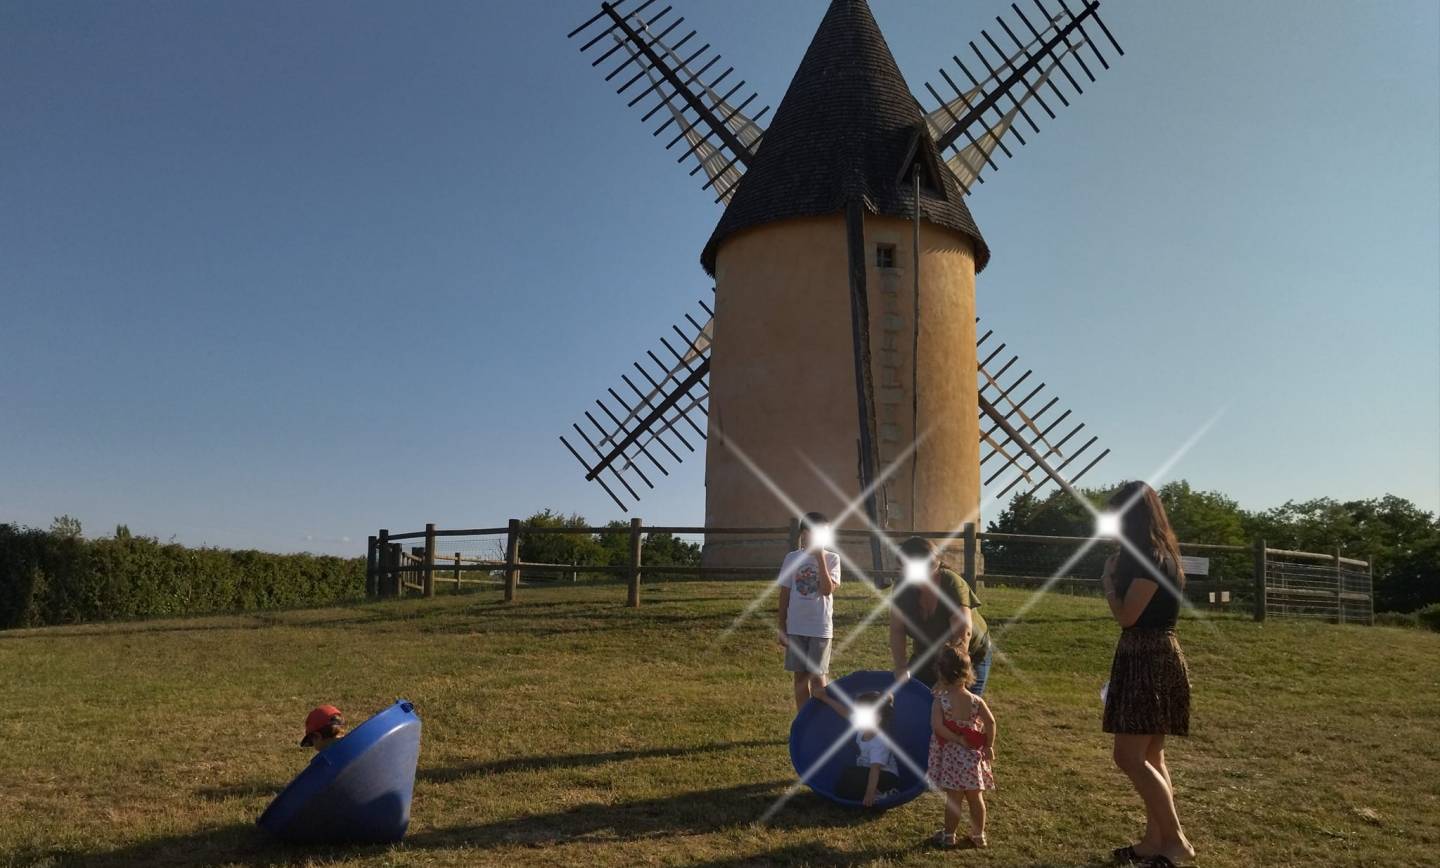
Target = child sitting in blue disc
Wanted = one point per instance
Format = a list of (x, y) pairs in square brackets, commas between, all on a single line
[(324, 726), (875, 775)]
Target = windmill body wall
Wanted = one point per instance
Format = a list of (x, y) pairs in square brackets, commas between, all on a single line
[(782, 390)]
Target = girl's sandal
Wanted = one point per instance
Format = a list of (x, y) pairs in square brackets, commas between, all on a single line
[(979, 842), (942, 840), (1125, 855)]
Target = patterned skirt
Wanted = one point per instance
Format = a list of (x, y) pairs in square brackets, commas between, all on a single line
[(957, 767), (1149, 685)]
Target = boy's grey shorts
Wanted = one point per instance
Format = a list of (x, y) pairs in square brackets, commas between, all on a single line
[(807, 654)]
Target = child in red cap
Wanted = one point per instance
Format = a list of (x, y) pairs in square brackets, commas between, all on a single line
[(323, 727)]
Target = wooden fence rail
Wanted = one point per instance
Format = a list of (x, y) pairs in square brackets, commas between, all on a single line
[(1343, 583)]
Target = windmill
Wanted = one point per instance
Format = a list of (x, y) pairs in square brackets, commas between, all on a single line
[(842, 336)]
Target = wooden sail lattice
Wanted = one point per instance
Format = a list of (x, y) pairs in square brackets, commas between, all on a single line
[(721, 138), (1039, 427), (650, 419), (987, 107)]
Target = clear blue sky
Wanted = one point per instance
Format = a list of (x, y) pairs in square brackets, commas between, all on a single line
[(278, 274)]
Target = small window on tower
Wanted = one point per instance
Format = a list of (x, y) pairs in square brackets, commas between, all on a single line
[(884, 256)]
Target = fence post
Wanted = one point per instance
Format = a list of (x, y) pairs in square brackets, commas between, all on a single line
[(372, 569), (574, 571), (512, 559), (1370, 588), (636, 526), (382, 584), (458, 586), (1260, 580), (794, 537), (429, 577), (970, 549), (1339, 588), (398, 583)]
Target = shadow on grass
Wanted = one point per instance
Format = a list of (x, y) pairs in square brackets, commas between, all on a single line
[(695, 813), (237, 844), (569, 761), (451, 774), (812, 853), (819, 853)]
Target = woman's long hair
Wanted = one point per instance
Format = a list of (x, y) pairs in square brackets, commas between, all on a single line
[(1146, 527)]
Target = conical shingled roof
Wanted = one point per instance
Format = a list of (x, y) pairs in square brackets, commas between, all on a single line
[(844, 129)]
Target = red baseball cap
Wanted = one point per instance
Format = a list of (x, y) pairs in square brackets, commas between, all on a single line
[(318, 719)]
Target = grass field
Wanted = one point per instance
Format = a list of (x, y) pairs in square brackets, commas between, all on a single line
[(565, 729)]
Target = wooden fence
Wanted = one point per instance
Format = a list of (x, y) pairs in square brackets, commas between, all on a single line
[(1274, 582)]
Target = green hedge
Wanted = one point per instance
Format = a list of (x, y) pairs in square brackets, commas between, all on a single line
[(1428, 618), (48, 578)]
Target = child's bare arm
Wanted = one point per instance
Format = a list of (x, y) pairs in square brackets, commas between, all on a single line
[(826, 582), (872, 785), (988, 719)]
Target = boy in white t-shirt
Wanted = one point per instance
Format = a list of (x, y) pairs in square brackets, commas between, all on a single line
[(807, 602)]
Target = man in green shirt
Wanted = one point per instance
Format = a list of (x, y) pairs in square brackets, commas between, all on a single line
[(934, 606)]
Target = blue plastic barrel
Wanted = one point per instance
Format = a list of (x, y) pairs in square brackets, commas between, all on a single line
[(357, 790), (817, 728)]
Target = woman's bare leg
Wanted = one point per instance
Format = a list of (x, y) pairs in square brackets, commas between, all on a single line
[(1163, 824), (1155, 755), (1151, 843)]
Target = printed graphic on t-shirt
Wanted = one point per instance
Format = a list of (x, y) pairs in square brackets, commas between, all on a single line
[(807, 580)]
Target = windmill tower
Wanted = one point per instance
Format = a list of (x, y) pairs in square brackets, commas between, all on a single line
[(840, 358)]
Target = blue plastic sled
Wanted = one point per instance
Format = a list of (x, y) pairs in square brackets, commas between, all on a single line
[(357, 791), (817, 728)]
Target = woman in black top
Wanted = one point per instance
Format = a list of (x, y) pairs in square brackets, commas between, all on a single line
[(937, 611), (1149, 693)]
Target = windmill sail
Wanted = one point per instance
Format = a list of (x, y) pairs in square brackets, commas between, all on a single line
[(648, 420), (975, 120), (720, 137), (723, 173), (1023, 443), (968, 163), (1022, 446)]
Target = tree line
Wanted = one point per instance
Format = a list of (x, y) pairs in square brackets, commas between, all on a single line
[(609, 548), (1399, 539)]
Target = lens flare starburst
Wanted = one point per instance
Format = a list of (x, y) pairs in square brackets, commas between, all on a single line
[(1107, 525), (865, 717)]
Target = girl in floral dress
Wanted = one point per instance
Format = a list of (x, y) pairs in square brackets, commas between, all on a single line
[(962, 746)]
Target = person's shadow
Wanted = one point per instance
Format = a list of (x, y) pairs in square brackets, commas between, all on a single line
[(449, 774), (697, 812)]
